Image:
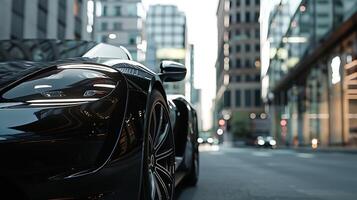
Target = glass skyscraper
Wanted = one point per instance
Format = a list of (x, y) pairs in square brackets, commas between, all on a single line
[(166, 40), (309, 70)]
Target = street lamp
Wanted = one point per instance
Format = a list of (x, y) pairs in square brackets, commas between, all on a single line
[(112, 36)]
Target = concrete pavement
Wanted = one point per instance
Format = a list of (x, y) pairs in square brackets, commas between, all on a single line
[(257, 174)]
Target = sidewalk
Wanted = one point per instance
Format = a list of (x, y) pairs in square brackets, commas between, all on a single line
[(346, 149), (352, 149)]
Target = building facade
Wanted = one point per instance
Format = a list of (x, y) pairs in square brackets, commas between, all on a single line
[(52, 19), (195, 96), (167, 40), (120, 23), (238, 68), (309, 70)]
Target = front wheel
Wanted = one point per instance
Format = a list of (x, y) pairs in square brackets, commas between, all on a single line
[(159, 152)]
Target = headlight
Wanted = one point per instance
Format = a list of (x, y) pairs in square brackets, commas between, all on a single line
[(62, 85), (272, 142), (261, 142), (210, 140), (200, 140)]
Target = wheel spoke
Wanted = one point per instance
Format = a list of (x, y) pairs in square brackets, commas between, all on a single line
[(158, 128), (152, 184), (165, 154), (162, 138), (165, 172), (159, 194), (151, 143), (153, 127), (162, 184)]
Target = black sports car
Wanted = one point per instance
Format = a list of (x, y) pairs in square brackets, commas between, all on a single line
[(81, 120)]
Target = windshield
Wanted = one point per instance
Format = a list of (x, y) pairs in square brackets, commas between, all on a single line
[(42, 50)]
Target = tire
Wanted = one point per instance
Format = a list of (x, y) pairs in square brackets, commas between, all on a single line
[(159, 152), (192, 177)]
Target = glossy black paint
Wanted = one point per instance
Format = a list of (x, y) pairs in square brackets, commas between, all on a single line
[(172, 71), (185, 121), (80, 150)]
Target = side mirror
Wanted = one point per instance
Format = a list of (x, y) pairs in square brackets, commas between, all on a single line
[(172, 71)]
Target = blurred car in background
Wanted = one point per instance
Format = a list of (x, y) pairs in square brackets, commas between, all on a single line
[(265, 141), (206, 138)]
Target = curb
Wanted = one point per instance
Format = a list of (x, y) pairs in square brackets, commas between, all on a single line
[(324, 150)]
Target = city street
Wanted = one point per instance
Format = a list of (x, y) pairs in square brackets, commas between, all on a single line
[(249, 173), (113, 99)]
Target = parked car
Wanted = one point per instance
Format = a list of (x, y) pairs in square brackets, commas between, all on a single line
[(82, 120)]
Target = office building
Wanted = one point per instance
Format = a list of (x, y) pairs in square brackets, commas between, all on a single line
[(166, 35), (53, 19), (238, 98), (309, 70), (120, 23)]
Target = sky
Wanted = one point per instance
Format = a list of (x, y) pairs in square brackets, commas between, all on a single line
[(202, 33)]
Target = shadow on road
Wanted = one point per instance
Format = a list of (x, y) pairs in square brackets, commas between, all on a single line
[(181, 188)]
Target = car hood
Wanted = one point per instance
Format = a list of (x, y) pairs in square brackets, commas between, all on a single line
[(13, 70)]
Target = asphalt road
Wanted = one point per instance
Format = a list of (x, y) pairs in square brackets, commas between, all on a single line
[(257, 174)]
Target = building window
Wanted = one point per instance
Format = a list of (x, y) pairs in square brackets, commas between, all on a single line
[(117, 26), (247, 2), (256, 16), (105, 11), (230, 34), (238, 98), (238, 63), (237, 32), (238, 48), (257, 2), (257, 47), (61, 18), (238, 3), (238, 18), (227, 99), (132, 39), (247, 17), (131, 10), (248, 78), (257, 99), (42, 19), (247, 34), (117, 10), (247, 48), (257, 33), (78, 20), (17, 23), (238, 78), (247, 63), (104, 26), (247, 98), (257, 78)]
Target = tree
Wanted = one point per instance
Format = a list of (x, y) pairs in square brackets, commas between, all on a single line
[(240, 125)]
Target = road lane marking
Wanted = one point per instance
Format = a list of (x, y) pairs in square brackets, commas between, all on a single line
[(305, 155), (262, 154)]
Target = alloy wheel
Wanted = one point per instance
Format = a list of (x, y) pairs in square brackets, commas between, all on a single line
[(161, 155)]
